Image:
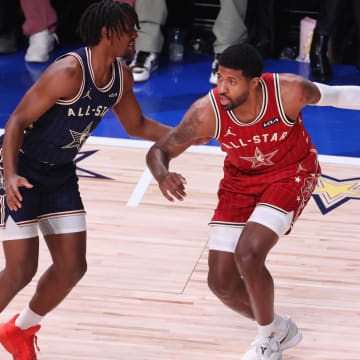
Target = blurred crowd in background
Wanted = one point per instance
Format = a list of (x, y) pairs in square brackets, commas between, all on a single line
[(319, 32)]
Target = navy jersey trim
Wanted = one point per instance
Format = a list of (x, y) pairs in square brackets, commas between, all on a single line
[(80, 92), (108, 86), (284, 118), (262, 110), (61, 214), (217, 115), (26, 222), (121, 80)]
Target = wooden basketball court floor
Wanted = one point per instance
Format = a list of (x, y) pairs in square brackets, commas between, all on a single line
[(145, 295)]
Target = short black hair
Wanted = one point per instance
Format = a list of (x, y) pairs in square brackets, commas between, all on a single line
[(116, 17), (243, 57)]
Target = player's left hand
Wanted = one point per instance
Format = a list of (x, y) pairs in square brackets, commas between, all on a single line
[(13, 196), (173, 183)]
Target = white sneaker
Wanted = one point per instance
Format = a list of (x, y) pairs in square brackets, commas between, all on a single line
[(287, 337), (265, 350), (214, 70), (41, 45), (143, 64)]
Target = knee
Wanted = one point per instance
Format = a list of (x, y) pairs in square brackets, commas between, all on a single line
[(249, 261), (71, 274), (21, 275)]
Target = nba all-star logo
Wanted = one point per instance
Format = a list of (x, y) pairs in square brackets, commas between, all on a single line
[(332, 192)]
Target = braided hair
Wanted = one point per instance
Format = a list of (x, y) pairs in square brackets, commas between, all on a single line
[(116, 17)]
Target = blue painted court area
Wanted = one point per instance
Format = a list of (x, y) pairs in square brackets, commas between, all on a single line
[(174, 87)]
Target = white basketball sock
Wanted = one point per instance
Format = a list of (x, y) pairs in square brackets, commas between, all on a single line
[(264, 331), (28, 319)]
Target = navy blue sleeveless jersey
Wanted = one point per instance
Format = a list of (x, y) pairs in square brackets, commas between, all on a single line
[(57, 136), (52, 142)]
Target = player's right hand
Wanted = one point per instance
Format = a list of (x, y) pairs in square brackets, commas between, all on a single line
[(13, 196), (173, 184)]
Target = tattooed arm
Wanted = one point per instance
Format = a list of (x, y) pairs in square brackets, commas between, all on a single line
[(297, 92), (198, 123)]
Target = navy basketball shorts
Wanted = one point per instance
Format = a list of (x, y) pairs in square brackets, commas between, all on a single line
[(53, 204)]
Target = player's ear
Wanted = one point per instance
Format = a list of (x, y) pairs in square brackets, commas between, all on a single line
[(104, 32), (254, 82)]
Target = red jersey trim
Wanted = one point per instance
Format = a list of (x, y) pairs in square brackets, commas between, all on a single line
[(217, 115), (317, 158), (284, 118)]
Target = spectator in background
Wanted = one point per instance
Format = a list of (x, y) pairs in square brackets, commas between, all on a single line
[(330, 12), (229, 29), (150, 38), (39, 27), (9, 26), (320, 65)]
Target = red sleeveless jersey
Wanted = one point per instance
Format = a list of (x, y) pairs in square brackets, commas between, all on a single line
[(269, 143)]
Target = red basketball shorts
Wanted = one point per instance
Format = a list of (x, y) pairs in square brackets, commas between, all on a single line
[(284, 190)]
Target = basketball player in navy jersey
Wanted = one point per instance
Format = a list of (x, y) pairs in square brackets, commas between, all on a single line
[(270, 171), (40, 186)]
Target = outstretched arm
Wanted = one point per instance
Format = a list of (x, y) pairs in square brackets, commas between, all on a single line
[(128, 111), (297, 92), (198, 123), (345, 96)]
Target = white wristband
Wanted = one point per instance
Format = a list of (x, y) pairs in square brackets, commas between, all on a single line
[(346, 97)]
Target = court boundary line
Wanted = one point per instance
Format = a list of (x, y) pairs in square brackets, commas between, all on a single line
[(201, 149), (146, 177), (206, 149), (140, 188)]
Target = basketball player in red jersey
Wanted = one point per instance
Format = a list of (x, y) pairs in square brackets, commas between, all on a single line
[(270, 172)]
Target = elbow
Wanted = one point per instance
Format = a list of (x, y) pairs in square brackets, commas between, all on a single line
[(134, 132), (137, 129)]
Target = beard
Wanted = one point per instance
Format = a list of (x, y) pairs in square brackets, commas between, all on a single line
[(234, 103)]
